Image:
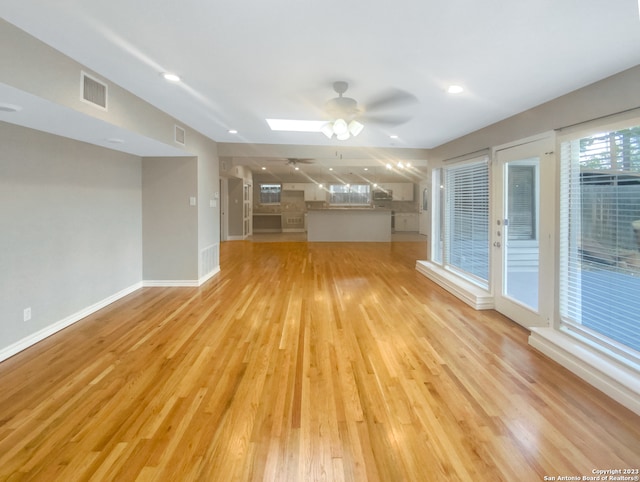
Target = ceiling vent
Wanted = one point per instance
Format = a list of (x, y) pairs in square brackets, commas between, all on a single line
[(93, 91), (180, 135)]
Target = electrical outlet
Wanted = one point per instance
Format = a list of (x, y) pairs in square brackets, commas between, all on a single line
[(27, 314)]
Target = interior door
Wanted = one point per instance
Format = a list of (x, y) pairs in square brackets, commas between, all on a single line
[(423, 219), (523, 224)]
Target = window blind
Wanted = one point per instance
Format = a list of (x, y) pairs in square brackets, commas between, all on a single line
[(349, 194), (600, 238), (466, 219), (270, 193)]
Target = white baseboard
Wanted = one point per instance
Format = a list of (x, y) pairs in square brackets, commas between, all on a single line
[(40, 335), (171, 283), (618, 381), (180, 283), (208, 276), (471, 294)]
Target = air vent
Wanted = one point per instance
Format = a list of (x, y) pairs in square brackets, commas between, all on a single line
[(93, 91), (180, 135)]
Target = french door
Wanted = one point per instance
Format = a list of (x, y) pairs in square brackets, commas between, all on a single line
[(523, 275)]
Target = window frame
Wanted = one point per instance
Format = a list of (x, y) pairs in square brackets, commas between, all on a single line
[(442, 201), (349, 193), (261, 193), (570, 317)]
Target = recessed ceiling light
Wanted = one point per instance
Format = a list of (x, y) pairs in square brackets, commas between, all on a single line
[(297, 168), (232, 131), (393, 136), (389, 166), (455, 89), (331, 168), (171, 77), (263, 168), (366, 168)]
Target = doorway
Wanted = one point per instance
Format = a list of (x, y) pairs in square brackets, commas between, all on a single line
[(523, 232)]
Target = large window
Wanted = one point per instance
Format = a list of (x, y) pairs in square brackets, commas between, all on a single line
[(270, 193), (600, 238), (350, 194), (461, 228)]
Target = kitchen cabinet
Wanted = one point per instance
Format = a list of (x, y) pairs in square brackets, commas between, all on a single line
[(313, 192), (406, 221), (293, 186), (402, 191)]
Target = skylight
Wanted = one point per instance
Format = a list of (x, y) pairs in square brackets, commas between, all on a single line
[(295, 125)]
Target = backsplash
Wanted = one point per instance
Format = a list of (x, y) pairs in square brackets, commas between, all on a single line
[(293, 202)]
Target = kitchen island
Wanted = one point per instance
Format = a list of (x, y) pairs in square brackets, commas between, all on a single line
[(349, 224)]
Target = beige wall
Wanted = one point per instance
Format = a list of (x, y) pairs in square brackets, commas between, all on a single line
[(612, 95), (142, 204), (169, 224), (70, 228)]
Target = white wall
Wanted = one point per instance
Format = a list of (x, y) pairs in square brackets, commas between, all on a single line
[(70, 228)]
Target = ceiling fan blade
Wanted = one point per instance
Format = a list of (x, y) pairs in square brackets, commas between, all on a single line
[(391, 99), (295, 160)]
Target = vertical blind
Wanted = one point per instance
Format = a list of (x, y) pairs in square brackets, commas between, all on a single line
[(466, 219), (599, 249)]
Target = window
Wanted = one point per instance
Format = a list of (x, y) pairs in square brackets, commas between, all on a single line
[(461, 215), (270, 193), (522, 202), (350, 194), (600, 239)]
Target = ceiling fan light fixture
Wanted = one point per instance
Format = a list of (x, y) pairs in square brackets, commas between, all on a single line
[(340, 127), (355, 127), (327, 130)]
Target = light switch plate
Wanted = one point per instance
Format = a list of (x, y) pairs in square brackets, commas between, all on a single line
[(192, 201)]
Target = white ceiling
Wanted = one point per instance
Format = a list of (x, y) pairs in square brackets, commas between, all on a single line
[(244, 61)]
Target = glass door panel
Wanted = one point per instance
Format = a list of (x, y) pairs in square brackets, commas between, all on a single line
[(521, 248)]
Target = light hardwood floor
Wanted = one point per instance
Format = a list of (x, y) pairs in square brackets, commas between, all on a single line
[(302, 361)]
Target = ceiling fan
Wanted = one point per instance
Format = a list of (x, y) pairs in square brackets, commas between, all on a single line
[(294, 162), (347, 117)]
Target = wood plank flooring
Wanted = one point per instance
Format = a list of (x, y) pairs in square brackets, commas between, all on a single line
[(302, 361)]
